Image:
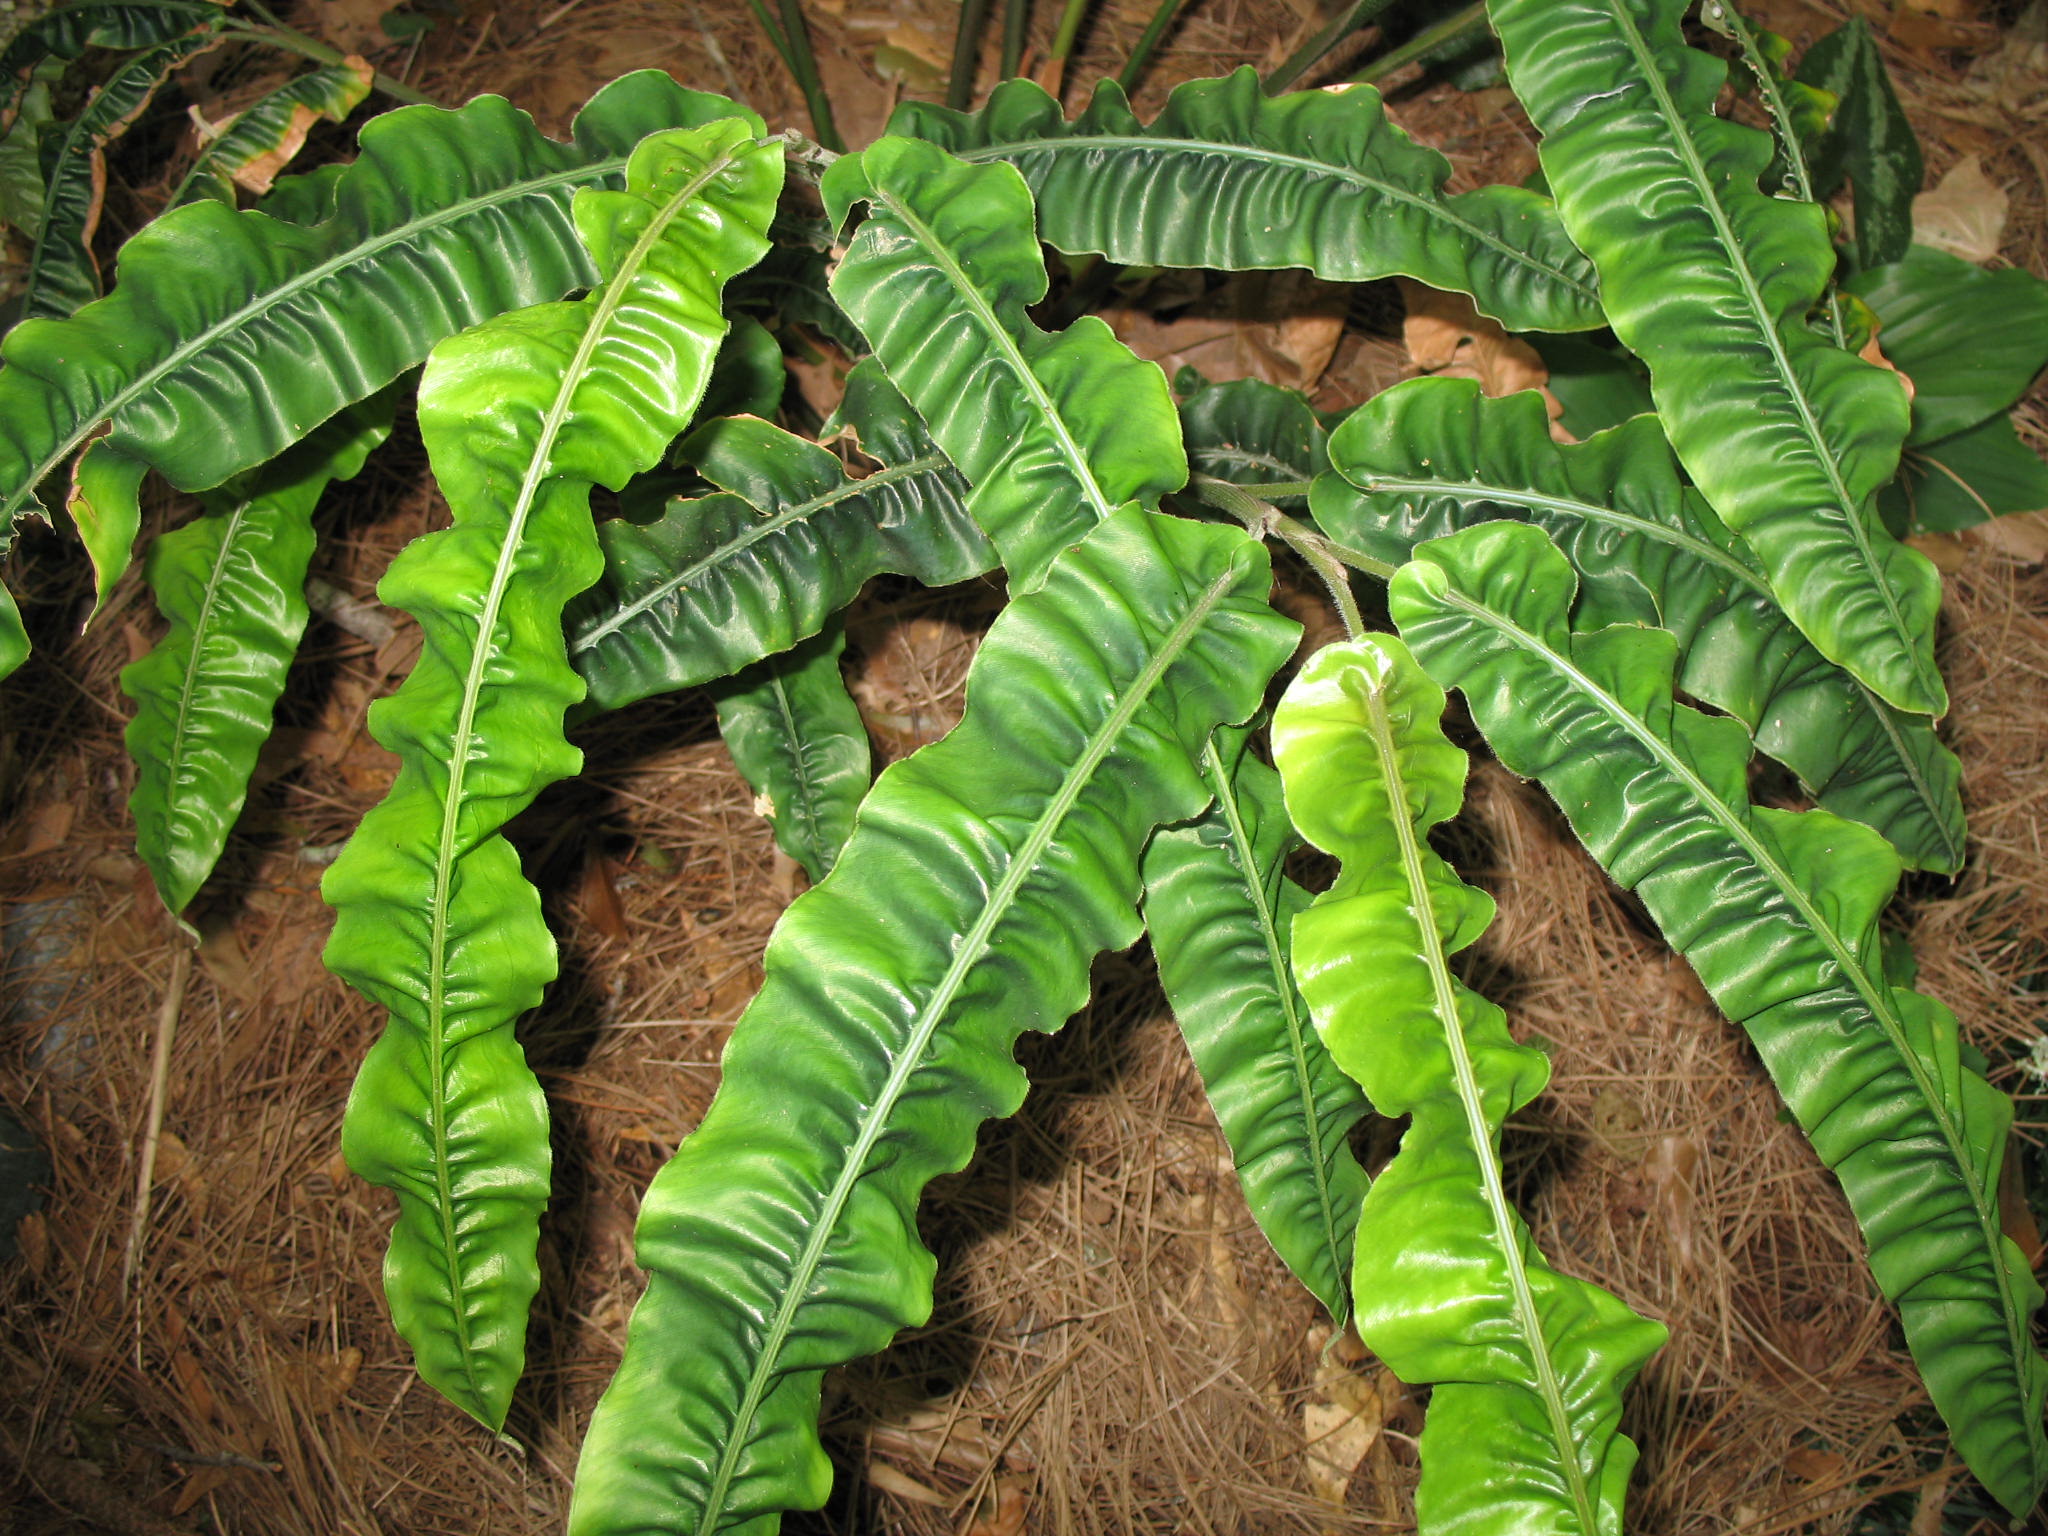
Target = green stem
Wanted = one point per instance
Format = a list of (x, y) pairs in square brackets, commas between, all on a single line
[(1063, 40), (966, 49), (1325, 558), (1310, 53), (1428, 40), (1134, 66), (285, 39), (804, 65), (1274, 490), (1016, 21)]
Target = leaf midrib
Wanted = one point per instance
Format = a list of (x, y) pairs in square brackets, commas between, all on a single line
[(272, 298), (1765, 325), (607, 305), (967, 953), (1873, 996), (1433, 208), (1422, 910)]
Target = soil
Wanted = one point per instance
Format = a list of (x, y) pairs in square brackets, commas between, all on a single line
[(1115, 1348)]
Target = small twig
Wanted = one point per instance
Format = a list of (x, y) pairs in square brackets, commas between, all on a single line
[(204, 1458), (1428, 40), (159, 1077)]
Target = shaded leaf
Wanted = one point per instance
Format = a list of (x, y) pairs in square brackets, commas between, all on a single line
[(261, 139), (231, 583), (797, 739), (1778, 913), (1219, 911), (1249, 432), (433, 920), (782, 1237), (1962, 480), (1868, 141)]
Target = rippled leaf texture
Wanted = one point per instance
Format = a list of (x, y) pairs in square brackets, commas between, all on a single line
[(1868, 140), (68, 30), (1710, 282), (62, 274), (230, 336), (231, 584), (1529, 1364), (798, 740), (1227, 177), (1778, 913), (1248, 432), (264, 137), (1970, 340), (782, 1238), (520, 416), (721, 581), (1053, 431), (1431, 456), (1219, 910), (1798, 111)]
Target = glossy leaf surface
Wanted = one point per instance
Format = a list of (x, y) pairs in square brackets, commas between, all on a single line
[(263, 137), (1431, 456), (230, 336), (1778, 913), (1229, 178), (1052, 431), (1219, 911), (1520, 1434), (722, 581), (1248, 431), (1710, 281), (231, 583), (782, 1238), (433, 919), (798, 740)]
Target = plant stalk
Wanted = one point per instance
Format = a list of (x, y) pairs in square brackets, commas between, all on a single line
[(966, 49), (1325, 558), (1428, 40), (1063, 41), (1134, 66), (1016, 22), (1310, 53), (804, 65)]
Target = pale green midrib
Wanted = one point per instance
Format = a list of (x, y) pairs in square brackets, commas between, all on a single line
[(1476, 490), (1908, 766), (1423, 909), (1872, 993), (272, 298), (800, 763), (1250, 458), (1738, 261), (1431, 207), (608, 302), (1283, 988), (967, 953), (754, 532), (1788, 138), (188, 687), (1012, 355)]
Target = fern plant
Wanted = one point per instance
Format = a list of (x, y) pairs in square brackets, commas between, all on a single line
[(582, 311)]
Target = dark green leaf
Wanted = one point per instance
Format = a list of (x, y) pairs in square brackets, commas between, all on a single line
[(1868, 140), (1984, 472), (1247, 431)]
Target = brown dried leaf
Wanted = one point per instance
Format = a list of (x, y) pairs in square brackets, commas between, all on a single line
[(1447, 337), (1964, 214), (1282, 327), (1003, 1514), (1670, 1168)]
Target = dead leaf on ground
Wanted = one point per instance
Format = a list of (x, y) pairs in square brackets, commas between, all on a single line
[(1670, 1168), (1343, 1421), (1964, 214), (354, 26), (1448, 338), (1281, 327), (1009, 1501)]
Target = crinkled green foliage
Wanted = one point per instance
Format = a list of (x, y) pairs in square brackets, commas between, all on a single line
[(521, 417), (1431, 456), (1248, 431), (721, 581), (1228, 177), (1219, 910), (231, 585), (1529, 1363), (1710, 281), (1052, 430), (781, 1239), (1778, 913), (798, 740)]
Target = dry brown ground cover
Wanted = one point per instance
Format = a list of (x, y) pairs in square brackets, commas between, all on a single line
[(1114, 1349)]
